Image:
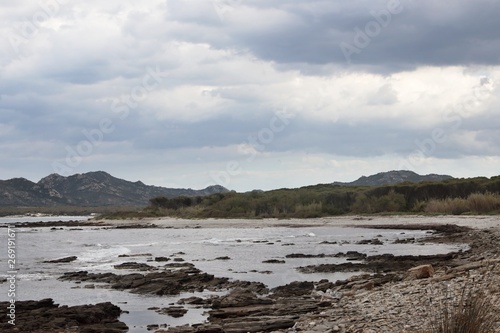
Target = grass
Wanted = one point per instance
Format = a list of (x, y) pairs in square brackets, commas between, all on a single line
[(471, 311), (475, 203), (472, 314)]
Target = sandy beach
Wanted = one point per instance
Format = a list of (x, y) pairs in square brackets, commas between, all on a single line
[(476, 222)]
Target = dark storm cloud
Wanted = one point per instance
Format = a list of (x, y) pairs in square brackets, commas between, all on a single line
[(420, 33)]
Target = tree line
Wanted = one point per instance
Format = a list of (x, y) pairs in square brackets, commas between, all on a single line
[(454, 196)]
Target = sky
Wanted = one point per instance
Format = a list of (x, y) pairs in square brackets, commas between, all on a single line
[(249, 94)]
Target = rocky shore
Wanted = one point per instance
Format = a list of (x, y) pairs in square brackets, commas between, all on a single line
[(409, 304), (44, 316), (390, 293), (403, 299)]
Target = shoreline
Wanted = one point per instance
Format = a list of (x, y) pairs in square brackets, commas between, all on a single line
[(383, 301), (475, 222)]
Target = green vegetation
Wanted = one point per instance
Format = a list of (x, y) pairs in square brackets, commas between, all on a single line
[(453, 196)]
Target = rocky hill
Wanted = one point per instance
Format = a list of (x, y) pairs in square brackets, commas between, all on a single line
[(91, 189), (394, 177)]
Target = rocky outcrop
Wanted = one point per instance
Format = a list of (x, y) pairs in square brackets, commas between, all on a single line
[(45, 316), (62, 260), (169, 281)]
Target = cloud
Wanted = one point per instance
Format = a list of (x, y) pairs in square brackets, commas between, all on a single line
[(228, 67)]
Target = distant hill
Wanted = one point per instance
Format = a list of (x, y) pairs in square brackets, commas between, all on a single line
[(394, 177), (91, 189)]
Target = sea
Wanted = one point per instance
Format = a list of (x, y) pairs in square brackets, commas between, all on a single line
[(99, 249)]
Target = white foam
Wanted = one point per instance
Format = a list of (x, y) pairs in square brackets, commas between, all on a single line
[(103, 254)]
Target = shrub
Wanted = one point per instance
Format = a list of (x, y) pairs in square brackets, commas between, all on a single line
[(484, 203), (471, 313), (455, 206)]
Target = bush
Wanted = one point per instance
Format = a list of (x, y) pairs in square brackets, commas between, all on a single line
[(473, 313), (478, 203), (484, 203), (455, 206)]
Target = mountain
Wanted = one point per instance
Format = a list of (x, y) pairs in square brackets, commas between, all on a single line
[(394, 177), (91, 189)]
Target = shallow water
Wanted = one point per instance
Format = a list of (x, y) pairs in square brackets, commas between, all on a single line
[(98, 250)]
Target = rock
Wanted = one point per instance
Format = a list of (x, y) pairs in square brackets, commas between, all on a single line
[(239, 297), (420, 272), (136, 266), (374, 241), (45, 316), (295, 288), (223, 258), (273, 261), (193, 300), (368, 285), (173, 311), (62, 260), (162, 259), (186, 278)]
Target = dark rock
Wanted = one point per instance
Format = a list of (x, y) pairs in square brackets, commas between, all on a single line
[(136, 266), (296, 288), (173, 311), (62, 260), (193, 300), (45, 316), (135, 255), (223, 258), (301, 255), (374, 241), (274, 261), (171, 282)]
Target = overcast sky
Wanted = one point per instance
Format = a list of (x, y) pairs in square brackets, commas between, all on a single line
[(250, 94)]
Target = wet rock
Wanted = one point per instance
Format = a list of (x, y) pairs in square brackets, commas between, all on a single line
[(274, 261), (296, 288), (135, 255), (173, 311), (374, 241), (223, 258), (302, 255), (162, 259), (384, 263), (405, 241), (136, 226), (135, 266), (193, 300), (169, 282), (239, 297), (45, 316), (62, 260)]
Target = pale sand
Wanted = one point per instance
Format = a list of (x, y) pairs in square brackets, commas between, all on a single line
[(477, 222)]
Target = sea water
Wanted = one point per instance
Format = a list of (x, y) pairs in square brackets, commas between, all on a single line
[(99, 249)]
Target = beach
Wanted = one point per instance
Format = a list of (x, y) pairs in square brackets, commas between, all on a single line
[(340, 274)]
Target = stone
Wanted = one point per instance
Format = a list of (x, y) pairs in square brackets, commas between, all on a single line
[(62, 260), (45, 316), (420, 272)]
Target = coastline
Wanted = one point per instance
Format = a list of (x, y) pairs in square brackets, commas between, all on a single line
[(472, 221), (383, 300)]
